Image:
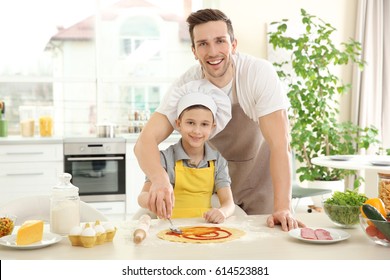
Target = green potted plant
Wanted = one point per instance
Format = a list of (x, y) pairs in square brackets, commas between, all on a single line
[(313, 91)]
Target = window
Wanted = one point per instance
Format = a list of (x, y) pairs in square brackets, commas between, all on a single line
[(92, 60), (134, 39)]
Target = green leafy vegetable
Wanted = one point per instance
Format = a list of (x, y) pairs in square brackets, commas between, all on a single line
[(343, 208), (349, 197)]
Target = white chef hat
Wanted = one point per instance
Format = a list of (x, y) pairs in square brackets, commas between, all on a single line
[(195, 98), (200, 92)]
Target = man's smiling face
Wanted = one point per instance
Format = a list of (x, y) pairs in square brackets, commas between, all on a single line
[(213, 49)]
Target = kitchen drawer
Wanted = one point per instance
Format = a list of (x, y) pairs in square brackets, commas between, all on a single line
[(107, 208), (21, 179), (31, 153)]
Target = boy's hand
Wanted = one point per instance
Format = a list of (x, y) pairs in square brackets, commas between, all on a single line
[(215, 216)]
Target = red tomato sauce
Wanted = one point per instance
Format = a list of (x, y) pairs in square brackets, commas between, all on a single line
[(202, 233)]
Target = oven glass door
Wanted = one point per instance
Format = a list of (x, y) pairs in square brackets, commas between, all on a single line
[(97, 175)]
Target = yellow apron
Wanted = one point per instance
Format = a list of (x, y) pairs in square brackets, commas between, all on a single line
[(193, 190)]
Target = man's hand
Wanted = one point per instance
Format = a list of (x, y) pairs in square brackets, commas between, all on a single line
[(285, 219), (161, 200)]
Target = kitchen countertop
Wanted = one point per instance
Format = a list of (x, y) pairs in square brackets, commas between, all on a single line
[(19, 140), (260, 242)]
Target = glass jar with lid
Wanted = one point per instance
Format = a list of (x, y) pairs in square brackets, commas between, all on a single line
[(64, 206), (384, 189)]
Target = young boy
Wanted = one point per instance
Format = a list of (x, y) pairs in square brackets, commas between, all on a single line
[(195, 170)]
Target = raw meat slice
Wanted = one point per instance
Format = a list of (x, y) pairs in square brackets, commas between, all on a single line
[(323, 234), (308, 233)]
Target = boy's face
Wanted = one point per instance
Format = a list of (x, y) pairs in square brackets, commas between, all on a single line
[(213, 49), (195, 126)]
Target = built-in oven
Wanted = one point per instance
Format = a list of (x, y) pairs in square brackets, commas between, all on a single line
[(98, 168)]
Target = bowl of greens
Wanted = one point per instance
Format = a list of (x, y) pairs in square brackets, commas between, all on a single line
[(343, 208)]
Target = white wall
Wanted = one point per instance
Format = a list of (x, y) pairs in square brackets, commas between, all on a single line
[(251, 17)]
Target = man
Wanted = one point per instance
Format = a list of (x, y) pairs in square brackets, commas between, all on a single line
[(256, 140)]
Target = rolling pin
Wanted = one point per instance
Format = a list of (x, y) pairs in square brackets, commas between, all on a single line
[(142, 229)]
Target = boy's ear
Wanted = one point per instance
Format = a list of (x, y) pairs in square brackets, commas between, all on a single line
[(177, 121)]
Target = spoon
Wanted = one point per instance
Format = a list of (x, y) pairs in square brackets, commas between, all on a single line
[(173, 228)]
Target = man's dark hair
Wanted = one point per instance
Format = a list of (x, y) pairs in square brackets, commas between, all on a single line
[(206, 15)]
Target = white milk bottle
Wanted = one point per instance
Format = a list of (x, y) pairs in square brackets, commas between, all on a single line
[(64, 206)]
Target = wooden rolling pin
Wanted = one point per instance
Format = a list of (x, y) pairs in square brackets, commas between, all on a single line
[(142, 229)]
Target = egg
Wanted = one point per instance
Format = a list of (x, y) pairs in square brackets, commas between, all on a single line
[(76, 230), (99, 229), (109, 227), (88, 232)]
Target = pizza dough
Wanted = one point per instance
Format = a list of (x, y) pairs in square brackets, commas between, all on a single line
[(202, 234)]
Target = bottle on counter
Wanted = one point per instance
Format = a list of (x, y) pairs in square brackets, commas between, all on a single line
[(27, 121), (3, 121), (64, 206), (46, 121)]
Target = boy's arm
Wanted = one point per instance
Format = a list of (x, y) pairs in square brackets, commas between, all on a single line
[(225, 197), (219, 215)]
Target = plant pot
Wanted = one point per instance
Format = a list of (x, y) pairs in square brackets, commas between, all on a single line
[(332, 185)]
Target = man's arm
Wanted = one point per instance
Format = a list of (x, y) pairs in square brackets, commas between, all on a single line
[(157, 129), (275, 128), (143, 197)]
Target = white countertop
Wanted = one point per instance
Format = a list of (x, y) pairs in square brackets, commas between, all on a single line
[(260, 242), (19, 140)]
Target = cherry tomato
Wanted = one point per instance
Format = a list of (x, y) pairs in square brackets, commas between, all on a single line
[(372, 231), (380, 235)]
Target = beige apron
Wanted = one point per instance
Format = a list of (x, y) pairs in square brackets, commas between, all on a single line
[(243, 146), (193, 190)]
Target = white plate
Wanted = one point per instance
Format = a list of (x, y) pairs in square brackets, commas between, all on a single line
[(47, 240), (380, 162), (340, 158), (337, 235)]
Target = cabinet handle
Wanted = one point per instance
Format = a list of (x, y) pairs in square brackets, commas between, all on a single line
[(94, 158), (103, 208), (25, 174), (23, 153)]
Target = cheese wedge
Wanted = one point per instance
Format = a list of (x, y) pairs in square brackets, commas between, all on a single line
[(30, 232)]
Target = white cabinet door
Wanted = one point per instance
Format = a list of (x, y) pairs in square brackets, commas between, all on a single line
[(23, 179), (30, 169), (135, 177), (31, 153)]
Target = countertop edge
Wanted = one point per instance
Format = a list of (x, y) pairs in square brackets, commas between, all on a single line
[(19, 140)]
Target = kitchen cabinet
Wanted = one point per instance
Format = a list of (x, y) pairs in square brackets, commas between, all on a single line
[(135, 177), (109, 207), (29, 169)]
